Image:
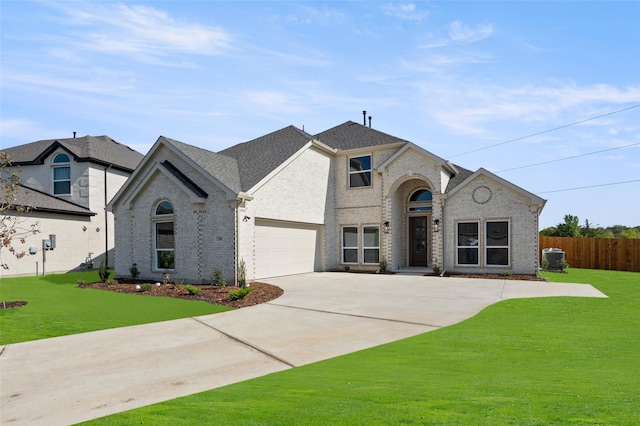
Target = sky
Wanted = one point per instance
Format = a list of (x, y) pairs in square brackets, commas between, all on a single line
[(544, 94)]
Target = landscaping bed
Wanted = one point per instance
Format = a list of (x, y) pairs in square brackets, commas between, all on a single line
[(261, 292)]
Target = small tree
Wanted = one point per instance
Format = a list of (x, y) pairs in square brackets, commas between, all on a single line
[(11, 226), (218, 277), (242, 274), (103, 271)]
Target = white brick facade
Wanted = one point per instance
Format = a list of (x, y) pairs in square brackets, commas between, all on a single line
[(311, 189)]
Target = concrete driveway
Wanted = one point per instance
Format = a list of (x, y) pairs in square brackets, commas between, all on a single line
[(70, 379)]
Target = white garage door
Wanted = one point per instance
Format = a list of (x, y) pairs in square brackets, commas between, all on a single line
[(286, 248)]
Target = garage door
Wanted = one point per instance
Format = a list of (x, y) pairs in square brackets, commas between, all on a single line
[(286, 248)]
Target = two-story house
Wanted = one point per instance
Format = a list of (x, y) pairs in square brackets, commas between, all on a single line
[(290, 202), (68, 182)]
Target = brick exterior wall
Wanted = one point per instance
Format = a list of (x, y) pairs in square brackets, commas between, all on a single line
[(484, 200)]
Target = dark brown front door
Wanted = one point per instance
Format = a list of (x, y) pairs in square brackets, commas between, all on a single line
[(418, 241)]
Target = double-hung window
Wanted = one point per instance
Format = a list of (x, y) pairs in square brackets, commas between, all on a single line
[(350, 244), (371, 244), (497, 243), (61, 175), (164, 236), (360, 171), (467, 240)]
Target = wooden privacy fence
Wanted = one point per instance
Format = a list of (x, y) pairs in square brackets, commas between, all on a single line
[(617, 254)]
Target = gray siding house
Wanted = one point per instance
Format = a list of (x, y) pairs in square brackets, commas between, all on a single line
[(68, 182), (290, 202)]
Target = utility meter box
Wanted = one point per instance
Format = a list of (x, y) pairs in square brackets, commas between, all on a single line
[(52, 239)]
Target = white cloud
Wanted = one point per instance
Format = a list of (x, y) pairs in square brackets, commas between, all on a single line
[(459, 33), (143, 31), (464, 34), (404, 11)]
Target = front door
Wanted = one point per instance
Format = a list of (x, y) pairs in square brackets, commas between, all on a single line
[(418, 241)]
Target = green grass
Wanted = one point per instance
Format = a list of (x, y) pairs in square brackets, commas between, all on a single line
[(57, 307), (551, 361)]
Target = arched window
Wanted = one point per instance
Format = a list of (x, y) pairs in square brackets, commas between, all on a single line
[(61, 175), (164, 237), (420, 200)]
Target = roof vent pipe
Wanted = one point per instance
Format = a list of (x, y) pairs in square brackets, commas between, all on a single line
[(364, 116), (369, 121), (74, 135)]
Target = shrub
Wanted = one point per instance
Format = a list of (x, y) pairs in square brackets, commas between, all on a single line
[(562, 265), (178, 282), (383, 265), (242, 274), (103, 272), (146, 286), (166, 277), (218, 277), (545, 265), (507, 273), (134, 271), (436, 269), (80, 282), (112, 281), (194, 291), (239, 293)]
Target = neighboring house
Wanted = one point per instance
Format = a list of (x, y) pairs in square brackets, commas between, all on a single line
[(68, 182), (290, 202)]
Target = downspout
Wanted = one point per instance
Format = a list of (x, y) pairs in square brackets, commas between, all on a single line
[(444, 247), (237, 241), (106, 219)]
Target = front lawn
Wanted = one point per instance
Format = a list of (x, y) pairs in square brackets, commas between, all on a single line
[(521, 362), (57, 307)]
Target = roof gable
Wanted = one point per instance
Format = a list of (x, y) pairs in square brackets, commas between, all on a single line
[(411, 146), (97, 149), (534, 199)]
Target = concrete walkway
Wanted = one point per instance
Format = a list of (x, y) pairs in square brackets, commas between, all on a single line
[(70, 379)]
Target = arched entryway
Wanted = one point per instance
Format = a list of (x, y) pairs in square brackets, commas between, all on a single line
[(411, 212)]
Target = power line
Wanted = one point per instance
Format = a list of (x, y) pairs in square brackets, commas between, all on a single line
[(587, 187), (568, 158), (546, 131)]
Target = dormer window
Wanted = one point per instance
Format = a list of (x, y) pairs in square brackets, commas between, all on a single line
[(360, 171), (420, 201), (61, 175)]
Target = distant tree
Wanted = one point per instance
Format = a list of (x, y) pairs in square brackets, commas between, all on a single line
[(570, 227), (11, 225), (588, 231), (631, 233), (551, 231)]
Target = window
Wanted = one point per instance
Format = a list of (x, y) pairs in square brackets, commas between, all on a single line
[(497, 243), (164, 236), (371, 244), (467, 243), (61, 175), (350, 244), (420, 201), (360, 171)]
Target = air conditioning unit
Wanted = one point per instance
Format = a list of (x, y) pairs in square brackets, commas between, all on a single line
[(552, 256)]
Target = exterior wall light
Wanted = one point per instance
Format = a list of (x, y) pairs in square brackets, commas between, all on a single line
[(386, 227), (436, 225)]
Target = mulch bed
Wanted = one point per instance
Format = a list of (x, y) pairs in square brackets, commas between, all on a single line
[(15, 304), (261, 292)]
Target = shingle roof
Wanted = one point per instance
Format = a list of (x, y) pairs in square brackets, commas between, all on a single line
[(222, 167), (259, 157), (43, 202), (459, 178), (351, 135), (97, 149)]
